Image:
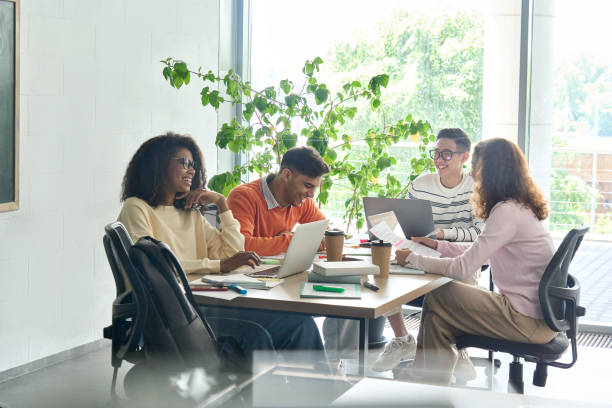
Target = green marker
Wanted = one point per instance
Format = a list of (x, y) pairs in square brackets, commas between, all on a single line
[(327, 289), (268, 261)]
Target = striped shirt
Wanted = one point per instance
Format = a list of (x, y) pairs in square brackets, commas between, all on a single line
[(452, 212)]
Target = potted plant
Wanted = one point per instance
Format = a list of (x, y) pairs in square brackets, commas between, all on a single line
[(277, 118)]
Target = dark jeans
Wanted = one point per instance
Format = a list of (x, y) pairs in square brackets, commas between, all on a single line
[(285, 331)]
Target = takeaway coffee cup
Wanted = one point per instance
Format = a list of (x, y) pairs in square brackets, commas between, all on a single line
[(381, 256), (334, 242)]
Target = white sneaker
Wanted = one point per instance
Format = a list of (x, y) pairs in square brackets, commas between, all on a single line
[(395, 351), (464, 368)]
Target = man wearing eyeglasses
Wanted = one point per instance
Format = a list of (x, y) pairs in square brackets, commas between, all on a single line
[(449, 191), (269, 208)]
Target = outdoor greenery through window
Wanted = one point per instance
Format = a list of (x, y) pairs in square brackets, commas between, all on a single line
[(432, 53), (581, 190)]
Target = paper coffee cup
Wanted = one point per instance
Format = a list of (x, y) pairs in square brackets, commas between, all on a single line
[(334, 243), (381, 256)]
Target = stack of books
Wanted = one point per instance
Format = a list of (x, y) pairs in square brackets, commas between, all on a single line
[(341, 272)]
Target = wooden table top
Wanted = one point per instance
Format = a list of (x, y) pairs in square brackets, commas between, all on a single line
[(394, 291)]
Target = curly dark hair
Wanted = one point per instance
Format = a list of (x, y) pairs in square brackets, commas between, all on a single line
[(146, 175), (501, 173)]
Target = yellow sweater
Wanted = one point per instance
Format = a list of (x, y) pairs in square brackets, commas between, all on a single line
[(198, 245)]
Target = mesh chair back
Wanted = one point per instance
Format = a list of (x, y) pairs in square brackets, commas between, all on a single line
[(556, 281)]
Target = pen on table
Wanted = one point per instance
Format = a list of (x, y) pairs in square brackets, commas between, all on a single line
[(238, 289), (208, 288), (327, 289), (371, 286)]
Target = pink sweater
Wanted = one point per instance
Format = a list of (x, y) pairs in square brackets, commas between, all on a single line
[(517, 246)]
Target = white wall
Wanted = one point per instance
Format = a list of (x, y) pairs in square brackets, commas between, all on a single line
[(91, 93)]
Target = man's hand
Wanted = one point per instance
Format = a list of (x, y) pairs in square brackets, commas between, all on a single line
[(203, 196), (239, 259), (401, 255), (322, 247), (428, 242), (280, 234)]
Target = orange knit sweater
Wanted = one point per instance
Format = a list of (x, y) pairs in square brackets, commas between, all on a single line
[(261, 226)]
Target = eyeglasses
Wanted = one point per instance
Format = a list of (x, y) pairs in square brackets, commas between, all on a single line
[(446, 155), (187, 163)]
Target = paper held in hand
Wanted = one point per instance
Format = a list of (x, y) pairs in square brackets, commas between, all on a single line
[(382, 231)]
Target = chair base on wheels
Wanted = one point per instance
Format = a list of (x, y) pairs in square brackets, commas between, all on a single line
[(541, 354)]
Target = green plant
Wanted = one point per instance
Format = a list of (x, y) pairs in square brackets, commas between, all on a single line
[(277, 118), (570, 201)]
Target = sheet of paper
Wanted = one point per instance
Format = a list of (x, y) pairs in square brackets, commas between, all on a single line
[(401, 270), (389, 217), (383, 232), (226, 294), (419, 249), (231, 278)]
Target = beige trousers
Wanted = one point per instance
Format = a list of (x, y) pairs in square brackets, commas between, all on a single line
[(472, 280), (457, 308)]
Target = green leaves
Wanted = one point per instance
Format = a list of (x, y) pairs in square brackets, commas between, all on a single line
[(266, 127), (321, 94), (286, 86), (378, 81), (311, 66)]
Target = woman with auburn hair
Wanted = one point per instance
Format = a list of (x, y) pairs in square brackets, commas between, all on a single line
[(516, 244), (163, 192)]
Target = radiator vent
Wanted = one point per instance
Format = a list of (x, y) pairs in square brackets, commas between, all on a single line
[(585, 339)]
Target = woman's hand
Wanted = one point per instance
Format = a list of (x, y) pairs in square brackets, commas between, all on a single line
[(203, 196), (428, 242), (401, 255), (239, 259)]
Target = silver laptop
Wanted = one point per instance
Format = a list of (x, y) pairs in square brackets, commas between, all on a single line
[(300, 254), (414, 216)]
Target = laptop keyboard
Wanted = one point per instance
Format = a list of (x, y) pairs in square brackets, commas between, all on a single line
[(270, 272)]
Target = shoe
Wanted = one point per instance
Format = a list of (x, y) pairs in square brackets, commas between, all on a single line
[(395, 351), (464, 368)]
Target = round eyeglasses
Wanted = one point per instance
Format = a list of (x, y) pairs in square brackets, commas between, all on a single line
[(446, 155), (186, 163)]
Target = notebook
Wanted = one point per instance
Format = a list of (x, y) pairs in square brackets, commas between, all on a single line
[(345, 268), (351, 291), (300, 254)]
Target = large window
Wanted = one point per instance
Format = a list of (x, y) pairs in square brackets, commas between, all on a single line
[(432, 52)]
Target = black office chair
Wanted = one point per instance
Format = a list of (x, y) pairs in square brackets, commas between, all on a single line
[(559, 294), (129, 311)]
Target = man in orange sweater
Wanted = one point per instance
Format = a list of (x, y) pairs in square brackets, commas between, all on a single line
[(268, 208)]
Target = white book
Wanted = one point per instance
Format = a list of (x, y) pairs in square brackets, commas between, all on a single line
[(345, 268)]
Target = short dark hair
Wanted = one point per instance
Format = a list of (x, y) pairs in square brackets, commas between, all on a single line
[(147, 174), (458, 136), (304, 160)]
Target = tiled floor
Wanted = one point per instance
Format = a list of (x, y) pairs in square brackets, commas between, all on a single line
[(85, 382), (592, 266)]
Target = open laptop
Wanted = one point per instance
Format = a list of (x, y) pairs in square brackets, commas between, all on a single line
[(300, 254), (414, 216)]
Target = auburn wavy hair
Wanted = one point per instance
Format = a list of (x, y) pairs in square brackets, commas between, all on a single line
[(500, 173), (146, 176)]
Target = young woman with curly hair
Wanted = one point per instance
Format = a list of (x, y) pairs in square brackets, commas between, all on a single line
[(515, 243), (162, 186)]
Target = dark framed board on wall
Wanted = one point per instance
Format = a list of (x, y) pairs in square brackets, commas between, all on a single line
[(9, 105)]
